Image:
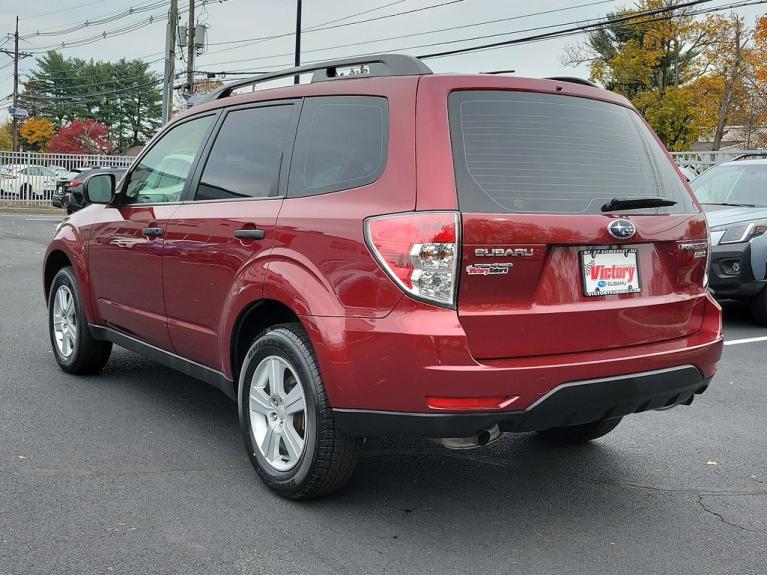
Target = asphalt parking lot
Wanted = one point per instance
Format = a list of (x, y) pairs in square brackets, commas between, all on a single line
[(142, 470)]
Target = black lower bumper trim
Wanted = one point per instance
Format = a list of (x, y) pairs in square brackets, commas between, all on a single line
[(568, 404), (724, 281)]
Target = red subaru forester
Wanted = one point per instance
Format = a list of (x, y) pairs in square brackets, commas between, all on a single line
[(385, 251)]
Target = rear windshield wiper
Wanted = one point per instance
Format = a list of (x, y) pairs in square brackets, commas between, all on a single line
[(636, 204), (728, 204)]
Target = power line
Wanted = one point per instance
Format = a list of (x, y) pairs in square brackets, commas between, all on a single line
[(152, 19), (139, 8), (248, 41), (576, 29), (438, 30), (91, 98), (60, 10), (602, 23)]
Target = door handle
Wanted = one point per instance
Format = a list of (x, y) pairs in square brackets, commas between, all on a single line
[(152, 232), (249, 234)]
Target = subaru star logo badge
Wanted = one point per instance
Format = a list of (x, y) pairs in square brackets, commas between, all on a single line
[(621, 229)]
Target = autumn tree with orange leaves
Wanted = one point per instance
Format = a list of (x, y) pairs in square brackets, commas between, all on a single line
[(36, 133), (690, 77)]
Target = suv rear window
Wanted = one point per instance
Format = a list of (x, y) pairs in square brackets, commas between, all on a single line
[(341, 144), (525, 152)]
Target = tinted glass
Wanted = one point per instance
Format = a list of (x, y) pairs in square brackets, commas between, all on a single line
[(341, 144), (741, 184), (245, 159), (163, 171), (543, 153)]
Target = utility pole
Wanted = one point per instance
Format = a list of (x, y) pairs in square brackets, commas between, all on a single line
[(15, 132), (296, 78), (16, 55), (190, 49), (170, 62)]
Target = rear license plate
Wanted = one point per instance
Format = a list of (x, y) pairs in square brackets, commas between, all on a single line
[(608, 272)]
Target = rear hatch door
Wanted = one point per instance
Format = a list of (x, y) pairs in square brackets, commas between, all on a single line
[(544, 269)]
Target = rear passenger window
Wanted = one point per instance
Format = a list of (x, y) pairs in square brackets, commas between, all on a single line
[(341, 144), (245, 159)]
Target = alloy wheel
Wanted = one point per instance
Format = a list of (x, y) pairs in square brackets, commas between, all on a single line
[(278, 415), (64, 321)]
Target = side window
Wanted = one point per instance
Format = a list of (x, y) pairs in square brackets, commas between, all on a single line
[(341, 144), (245, 159), (163, 171)]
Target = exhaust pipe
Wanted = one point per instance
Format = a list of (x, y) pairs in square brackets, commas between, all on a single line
[(480, 438)]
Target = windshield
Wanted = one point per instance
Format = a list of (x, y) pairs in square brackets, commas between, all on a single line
[(733, 184)]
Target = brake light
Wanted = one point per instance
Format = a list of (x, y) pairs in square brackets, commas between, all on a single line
[(419, 251), (74, 183)]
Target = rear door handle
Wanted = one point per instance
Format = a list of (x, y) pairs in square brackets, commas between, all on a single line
[(249, 234), (153, 232)]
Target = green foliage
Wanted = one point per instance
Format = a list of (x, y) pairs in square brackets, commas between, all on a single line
[(5, 136), (124, 95)]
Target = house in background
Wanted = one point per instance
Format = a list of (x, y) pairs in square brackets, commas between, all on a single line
[(734, 138)]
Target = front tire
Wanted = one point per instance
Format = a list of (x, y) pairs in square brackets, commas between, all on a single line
[(580, 433), (287, 423), (74, 347)]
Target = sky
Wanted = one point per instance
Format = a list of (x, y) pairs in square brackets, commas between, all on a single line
[(231, 20)]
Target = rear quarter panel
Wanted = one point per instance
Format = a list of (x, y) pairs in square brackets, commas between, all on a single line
[(320, 264)]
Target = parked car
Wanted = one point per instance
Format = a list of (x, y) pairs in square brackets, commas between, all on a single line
[(448, 256), (58, 171), (69, 190), (734, 195), (63, 184), (688, 172), (25, 181)]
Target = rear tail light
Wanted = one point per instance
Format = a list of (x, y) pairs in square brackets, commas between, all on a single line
[(419, 251), (8, 176), (74, 183)]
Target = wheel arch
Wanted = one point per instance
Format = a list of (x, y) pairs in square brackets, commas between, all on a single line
[(55, 261), (252, 320)]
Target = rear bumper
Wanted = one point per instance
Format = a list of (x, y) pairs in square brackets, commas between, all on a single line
[(731, 274), (377, 369), (568, 404)]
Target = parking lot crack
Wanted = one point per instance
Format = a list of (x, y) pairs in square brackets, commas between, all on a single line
[(721, 518)]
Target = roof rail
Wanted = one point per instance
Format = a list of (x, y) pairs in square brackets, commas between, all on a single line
[(379, 65), (573, 80), (758, 154)]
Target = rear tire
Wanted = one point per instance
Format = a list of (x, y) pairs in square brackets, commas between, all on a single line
[(74, 347), (580, 433), (759, 307), (287, 423)]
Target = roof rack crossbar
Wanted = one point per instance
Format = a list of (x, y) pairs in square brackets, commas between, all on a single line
[(573, 80), (379, 65)]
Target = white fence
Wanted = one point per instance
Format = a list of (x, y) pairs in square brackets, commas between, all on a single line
[(699, 162), (29, 178)]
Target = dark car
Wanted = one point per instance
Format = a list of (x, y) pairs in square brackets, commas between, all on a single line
[(69, 189), (447, 256), (734, 195)]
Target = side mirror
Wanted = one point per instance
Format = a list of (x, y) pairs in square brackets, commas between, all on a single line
[(99, 189)]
